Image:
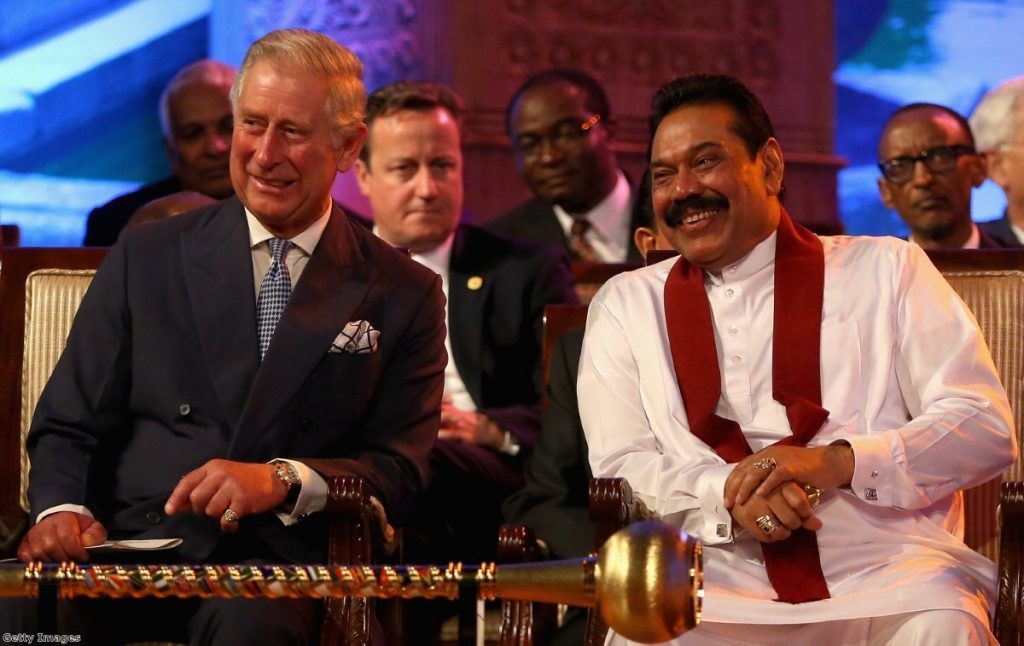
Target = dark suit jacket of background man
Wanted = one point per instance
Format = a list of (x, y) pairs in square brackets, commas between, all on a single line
[(105, 222), (497, 291), (160, 375), (497, 322), (535, 220), (554, 502), (1000, 231)]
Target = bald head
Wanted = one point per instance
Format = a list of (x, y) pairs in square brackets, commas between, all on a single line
[(195, 116)]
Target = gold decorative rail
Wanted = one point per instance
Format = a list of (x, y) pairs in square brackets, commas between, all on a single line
[(646, 581)]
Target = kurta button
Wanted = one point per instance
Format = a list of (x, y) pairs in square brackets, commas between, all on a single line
[(730, 292), (153, 518), (184, 409)]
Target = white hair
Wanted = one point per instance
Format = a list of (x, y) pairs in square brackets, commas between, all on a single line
[(994, 118), (314, 53)]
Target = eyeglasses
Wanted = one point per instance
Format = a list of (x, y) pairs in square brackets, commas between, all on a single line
[(939, 159), (563, 134)]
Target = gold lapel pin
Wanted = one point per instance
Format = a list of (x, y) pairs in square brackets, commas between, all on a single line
[(475, 283)]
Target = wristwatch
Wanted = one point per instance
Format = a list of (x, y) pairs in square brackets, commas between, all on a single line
[(289, 476)]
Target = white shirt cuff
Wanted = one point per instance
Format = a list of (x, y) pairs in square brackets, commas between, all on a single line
[(312, 494), (711, 494), (78, 509), (873, 466)]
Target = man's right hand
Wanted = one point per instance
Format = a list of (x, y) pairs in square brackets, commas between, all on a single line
[(62, 536), (787, 506)]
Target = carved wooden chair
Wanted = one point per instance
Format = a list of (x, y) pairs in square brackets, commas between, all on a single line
[(41, 290)]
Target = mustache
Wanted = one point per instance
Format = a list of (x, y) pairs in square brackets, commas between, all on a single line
[(677, 210)]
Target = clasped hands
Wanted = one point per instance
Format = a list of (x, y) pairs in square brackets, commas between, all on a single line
[(210, 490), (766, 492), (473, 427)]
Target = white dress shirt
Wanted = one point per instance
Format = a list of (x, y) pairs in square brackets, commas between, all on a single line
[(609, 234), (908, 381), (437, 260), (313, 493)]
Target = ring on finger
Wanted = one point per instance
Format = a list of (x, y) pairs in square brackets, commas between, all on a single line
[(765, 464), (813, 495), (765, 523), (230, 516)]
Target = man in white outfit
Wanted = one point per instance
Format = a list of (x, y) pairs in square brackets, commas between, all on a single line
[(809, 408)]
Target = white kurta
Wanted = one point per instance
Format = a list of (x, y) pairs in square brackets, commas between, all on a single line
[(908, 381)]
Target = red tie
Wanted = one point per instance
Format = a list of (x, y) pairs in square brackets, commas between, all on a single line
[(578, 243), (793, 565)]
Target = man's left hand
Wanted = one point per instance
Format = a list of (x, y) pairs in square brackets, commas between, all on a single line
[(460, 425), (824, 467), (220, 485)]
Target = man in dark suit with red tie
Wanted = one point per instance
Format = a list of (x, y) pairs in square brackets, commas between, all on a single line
[(561, 127), (227, 361)]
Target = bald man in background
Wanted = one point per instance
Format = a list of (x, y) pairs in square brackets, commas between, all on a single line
[(195, 119)]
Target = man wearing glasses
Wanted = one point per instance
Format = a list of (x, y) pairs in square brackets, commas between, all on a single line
[(561, 129), (929, 166), (998, 124)]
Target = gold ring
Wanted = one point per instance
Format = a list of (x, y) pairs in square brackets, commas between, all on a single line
[(813, 495), (766, 524), (766, 464), (230, 516)]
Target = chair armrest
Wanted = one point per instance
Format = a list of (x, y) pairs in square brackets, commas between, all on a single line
[(523, 622), (612, 507), (359, 534), (1007, 625)]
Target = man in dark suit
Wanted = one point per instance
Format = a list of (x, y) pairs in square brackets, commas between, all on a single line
[(200, 398), (929, 167), (998, 126), (411, 171), (195, 120), (561, 127), (554, 501)]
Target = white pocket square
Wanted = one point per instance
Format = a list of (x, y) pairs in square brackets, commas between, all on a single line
[(358, 337)]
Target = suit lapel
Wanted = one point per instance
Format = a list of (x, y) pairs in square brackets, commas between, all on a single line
[(218, 273), (332, 286), (468, 287)]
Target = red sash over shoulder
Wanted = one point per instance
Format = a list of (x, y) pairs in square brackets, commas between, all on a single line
[(794, 565)]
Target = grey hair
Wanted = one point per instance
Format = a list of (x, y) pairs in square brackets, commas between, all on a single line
[(204, 72), (993, 119), (314, 53)]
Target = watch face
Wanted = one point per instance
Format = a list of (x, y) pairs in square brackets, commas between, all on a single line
[(287, 474)]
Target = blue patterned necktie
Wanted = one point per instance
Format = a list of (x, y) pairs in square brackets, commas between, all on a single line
[(274, 293)]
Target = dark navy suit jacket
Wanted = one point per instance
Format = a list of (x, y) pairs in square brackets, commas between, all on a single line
[(497, 291), (161, 374), (1000, 231)]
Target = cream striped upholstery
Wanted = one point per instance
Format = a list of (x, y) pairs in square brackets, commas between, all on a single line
[(52, 297), (996, 297)]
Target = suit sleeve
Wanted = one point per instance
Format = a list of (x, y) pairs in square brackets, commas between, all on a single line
[(554, 501), (86, 397), (551, 284), (399, 429)]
